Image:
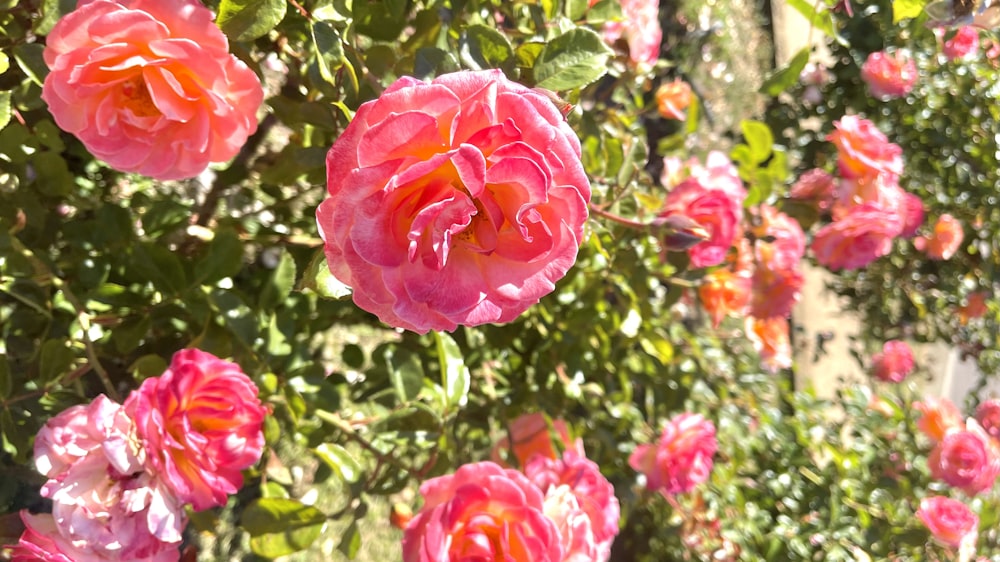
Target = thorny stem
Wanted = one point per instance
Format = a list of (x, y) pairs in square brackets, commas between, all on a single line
[(84, 317), (618, 219), (381, 457), (305, 13)]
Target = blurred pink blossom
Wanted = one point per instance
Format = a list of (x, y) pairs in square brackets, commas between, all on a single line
[(966, 459), (723, 292), (894, 362), (889, 75), (963, 44), (816, 186), (681, 458), (770, 338), (640, 26), (988, 416), (863, 235), (863, 150), (950, 521), (939, 417), (532, 434)]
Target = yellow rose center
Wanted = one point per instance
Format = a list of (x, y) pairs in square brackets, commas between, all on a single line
[(136, 97)]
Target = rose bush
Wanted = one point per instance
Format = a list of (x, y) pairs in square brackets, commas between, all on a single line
[(149, 86), (460, 201)]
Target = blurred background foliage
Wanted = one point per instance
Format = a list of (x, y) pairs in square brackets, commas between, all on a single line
[(104, 275)]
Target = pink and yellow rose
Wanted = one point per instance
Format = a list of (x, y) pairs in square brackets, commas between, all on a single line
[(950, 521), (201, 424), (889, 75), (771, 340), (863, 150), (149, 86), (673, 99), (966, 459), (724, 292), (459, 201), (681, 458), (944, 240), (860, 237), (939, 416), (483, 512)]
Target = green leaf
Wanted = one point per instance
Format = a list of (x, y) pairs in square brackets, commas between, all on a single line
[(6, 382), (223, 259), (319, 279), (157, 264), (351, 543), (485, 47), (52, 11), (280, 284), (342, 463), (5, 109), (55, 359), (786, 76), (15, 436), (821, 20), (405, 372), (29, 58), (147, 366), (455, 378), (281, 526), (527, 54), (903, 9), (246, 20), (129, 334), (604, 11), (572, 60), (381, 19), (328, 48), (4, 62), (759, 138)]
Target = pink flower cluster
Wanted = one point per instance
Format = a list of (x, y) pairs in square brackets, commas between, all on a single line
[(712, 196), (559, 509), (894, 362), (869, 208), (149, 86), (640, 27), (889, 75), (681, 459), (965, 455), (119, 476)]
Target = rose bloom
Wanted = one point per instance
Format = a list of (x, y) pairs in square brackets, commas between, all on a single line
[(889, 75), (724, 292), (531, 434), (894, 362), (863, 150), (201, 424), (963, 44), (988, 416), (104, 503), (640, 26), (862, 236), (682, 457), (460, 201), (593, 492), (816, 186), (672, 99), (482, 512), (775, 292), (974, 307), (950, 521), (770, 338), (562, 507), (779, 242), (966, 459), (939, 416), (149, 86), (42, 542), (944, 240)]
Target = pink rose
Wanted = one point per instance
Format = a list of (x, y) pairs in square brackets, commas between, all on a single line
[(894, 362), (889, 75), (461, 201), (640, 26), (482, 512), (104, 502), (681, 459), (913, 214), (201, 425), (944, 240), (775, 292), (950, 521), (863, 150), (42, 542), (714, 210), (966, 459), (863, 235), (724, 292), (562, 507), (816, 186), (149, 86), (988, 416), (592, 491), (963, 44), (770, 339), (939, 417), (532, 434)]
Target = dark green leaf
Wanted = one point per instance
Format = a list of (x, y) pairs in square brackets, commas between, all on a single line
[(381, 19), (280, 284), (786, 76), (319, 279), (223, 259), (52, 11), (246, 20), (148, 366), (572, 60), (485, 47), (6, 383), (455, 378), (158, 264), (29, 58), (340, 461), (55, 359), (351, 543), (281, 526), (329, 50), (405, 372)]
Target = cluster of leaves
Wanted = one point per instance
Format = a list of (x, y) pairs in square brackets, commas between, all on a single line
[(103, 276), (947, 129)]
